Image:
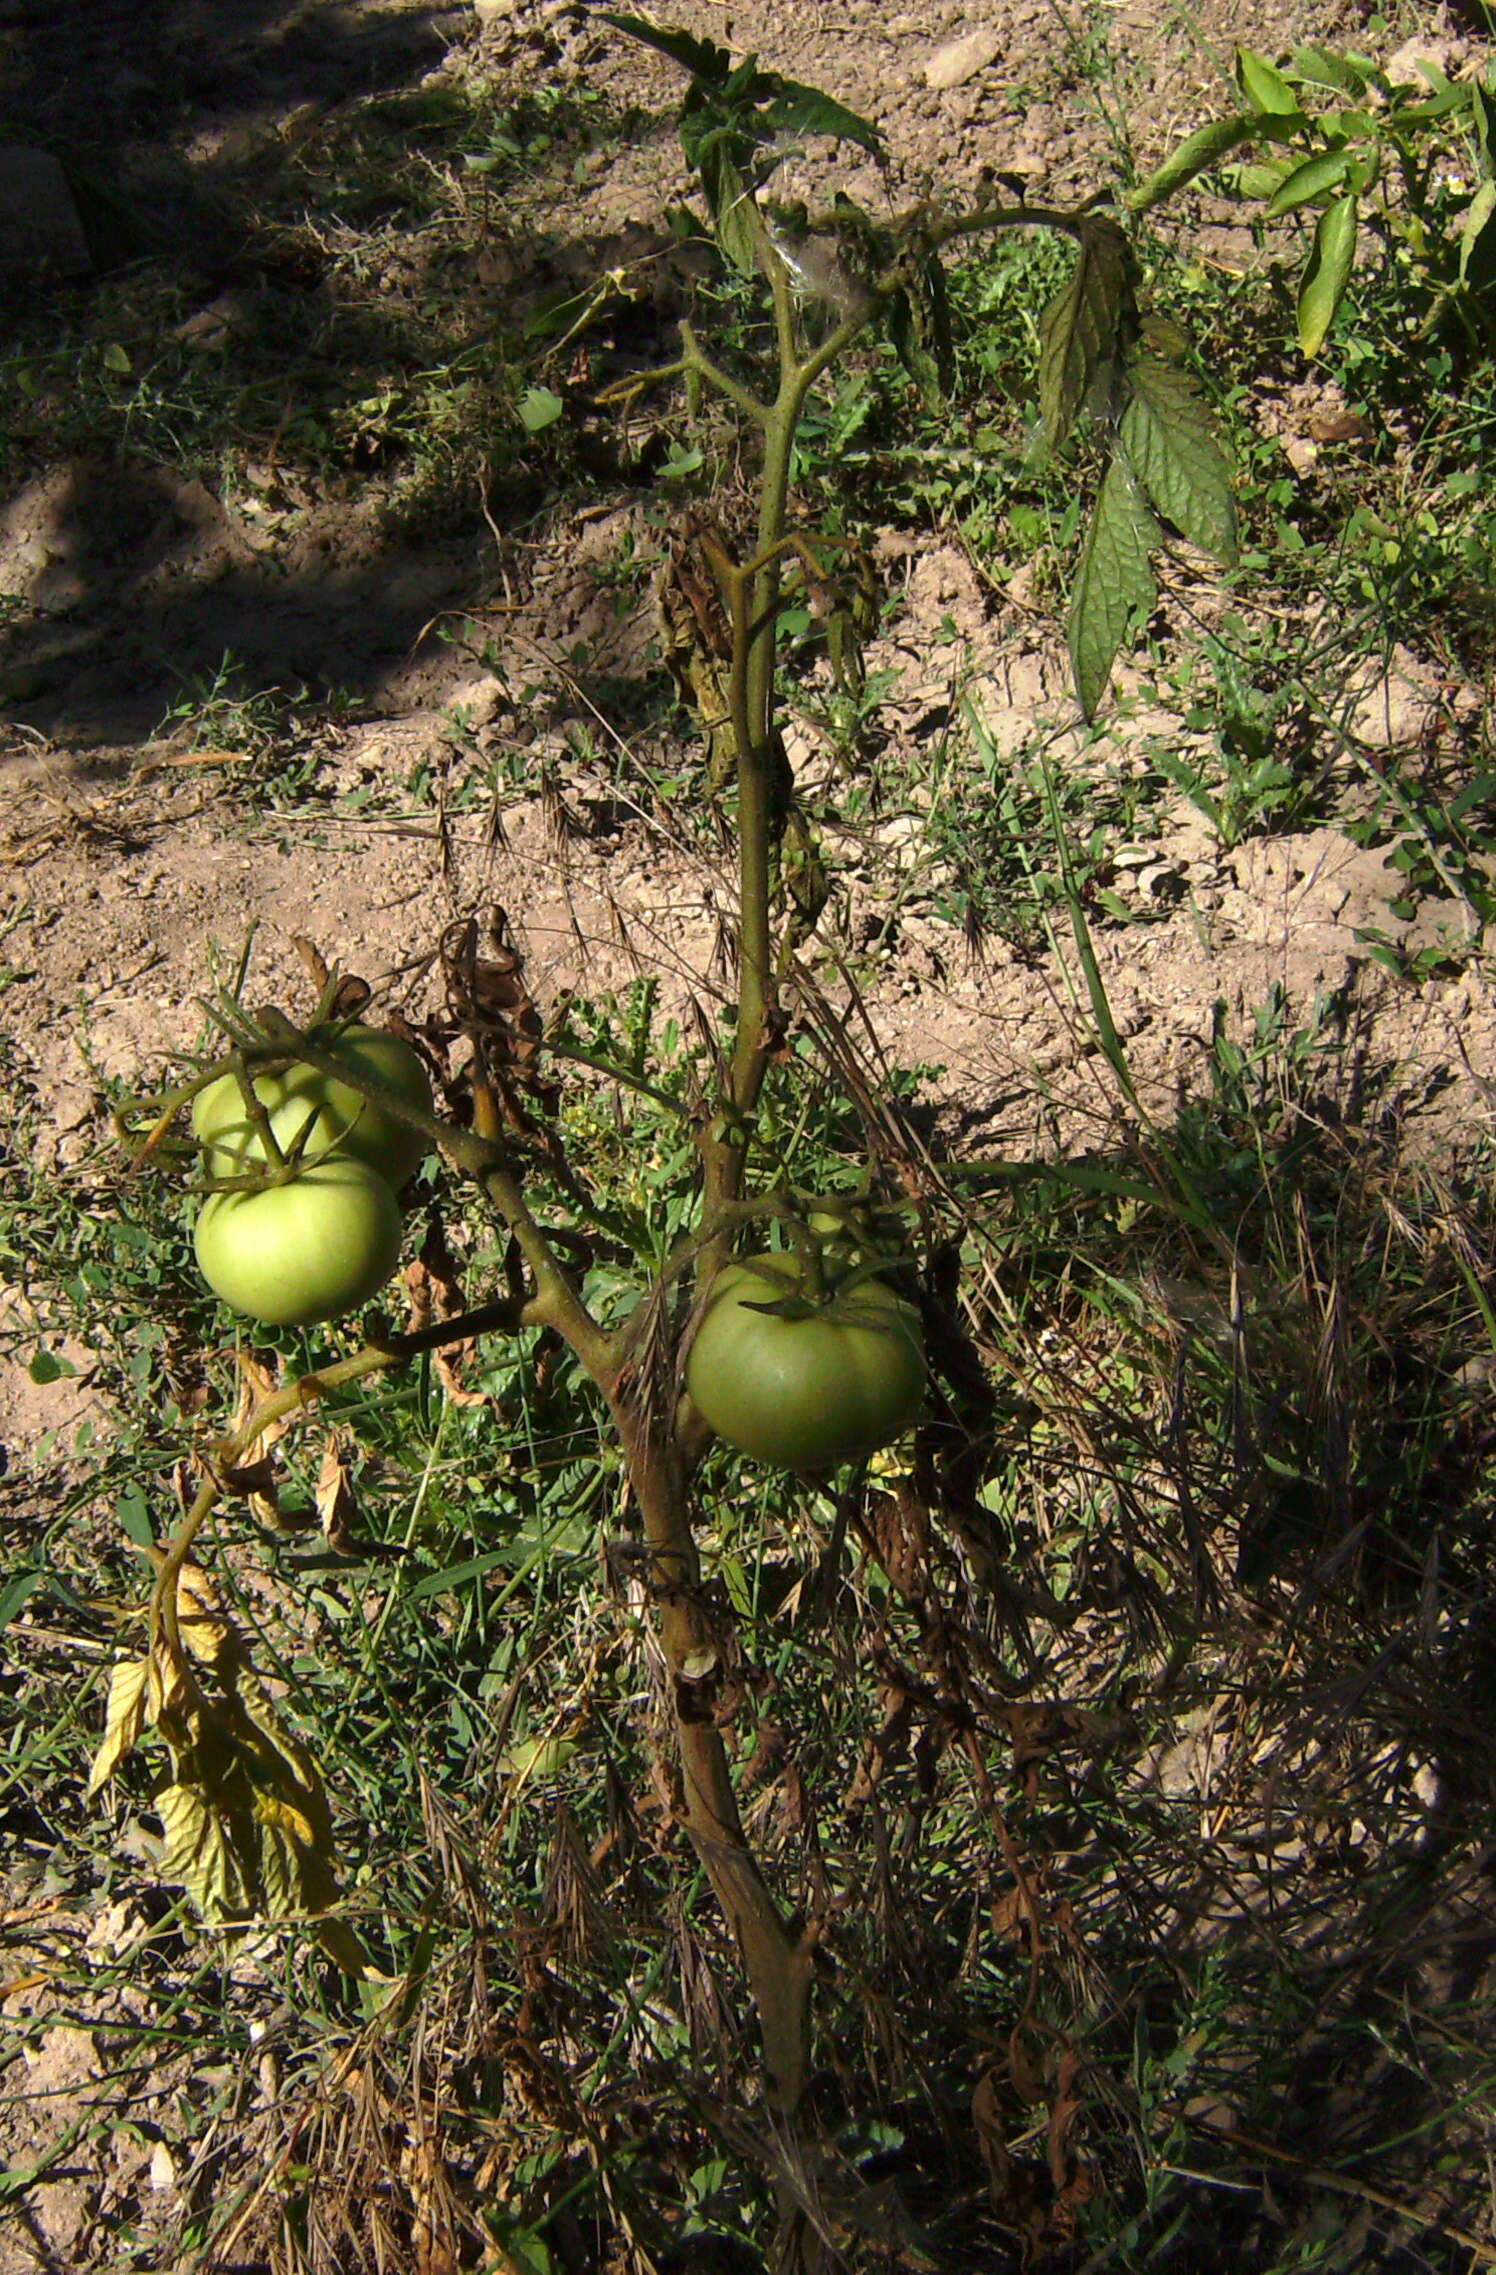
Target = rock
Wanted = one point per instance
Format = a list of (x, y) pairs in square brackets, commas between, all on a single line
[(1160, 881), (1393, 701), (1403, 65), (40, 232), (961, 59)]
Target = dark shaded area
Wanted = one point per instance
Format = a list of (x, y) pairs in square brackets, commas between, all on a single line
[(120, 89), (164, 113), (256, 445)]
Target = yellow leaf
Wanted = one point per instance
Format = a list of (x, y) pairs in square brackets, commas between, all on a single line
[(205, 1631), (285, 1817), (198, 1853), (124, 1719)]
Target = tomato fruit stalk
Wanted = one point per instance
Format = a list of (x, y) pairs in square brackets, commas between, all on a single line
[(318, 1114)]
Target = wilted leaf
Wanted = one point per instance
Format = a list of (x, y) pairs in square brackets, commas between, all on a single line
[(336, 1506), (1114, 583), (253, 1474), (435, 1292), (1327, 274), (283, 1763), (200, 1616), (1170, 440), (912, 351), (729, 197), (124, 1719), (248, 1829), (258, 1381), (344, 1950), (1084, 324)]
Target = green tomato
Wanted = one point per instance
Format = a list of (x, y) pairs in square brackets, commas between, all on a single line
[(342, 1122), (802, 1393), (311, 1249)]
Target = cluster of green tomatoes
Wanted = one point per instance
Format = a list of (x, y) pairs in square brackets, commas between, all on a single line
[(313, 1229), (802, 1358)]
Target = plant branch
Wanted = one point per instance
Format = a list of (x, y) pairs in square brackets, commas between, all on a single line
[(504, 1316), (777, 1962)]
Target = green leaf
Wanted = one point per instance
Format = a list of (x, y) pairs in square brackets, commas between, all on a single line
[(115, 359), (1114, 584), (1262, 178), (18, 1592), (1171, 444), (1438, 106), (1327, 274), (49, 1366), (1265, 87), (1478, 240), (1344, 74), (538, 409), (1205, 147), (1483, 117), (134, 1514), (1083, 324), (797, 110), (457, 1575), (1310, 181), (701, 57)]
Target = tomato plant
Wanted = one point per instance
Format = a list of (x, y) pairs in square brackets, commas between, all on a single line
[(818, 1384), (319, 1245), (342, 1121)]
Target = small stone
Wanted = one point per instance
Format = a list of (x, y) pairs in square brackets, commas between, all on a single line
[(1393, 701), (1404, 65), (961, 59)]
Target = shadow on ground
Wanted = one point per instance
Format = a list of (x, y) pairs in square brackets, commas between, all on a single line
[(259, 442)]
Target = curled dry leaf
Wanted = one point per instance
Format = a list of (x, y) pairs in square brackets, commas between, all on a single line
[(337, 1507), (253, 1474), (434, 1292)]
